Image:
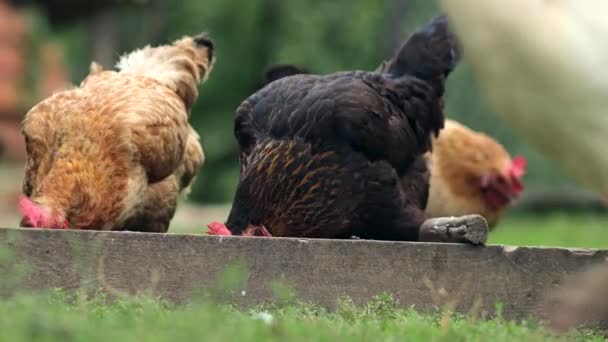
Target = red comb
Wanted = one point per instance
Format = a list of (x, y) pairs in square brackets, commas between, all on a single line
[(30, 211), (218, 228), (518, 166), (38, 216)]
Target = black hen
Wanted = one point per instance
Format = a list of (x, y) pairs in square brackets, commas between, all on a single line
[(323, 156)]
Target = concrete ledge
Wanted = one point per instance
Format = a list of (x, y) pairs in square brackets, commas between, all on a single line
[(176, 266)]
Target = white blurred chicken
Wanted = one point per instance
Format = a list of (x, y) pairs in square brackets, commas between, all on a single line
[(542, 66)]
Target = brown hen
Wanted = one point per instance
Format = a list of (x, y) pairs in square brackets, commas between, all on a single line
[(471, 173), (115, 153)]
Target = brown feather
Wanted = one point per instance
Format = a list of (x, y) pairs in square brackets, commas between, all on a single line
[(116, 152), (460, 157)]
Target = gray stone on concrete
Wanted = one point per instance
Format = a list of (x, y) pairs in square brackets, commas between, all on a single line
[(175, 267)]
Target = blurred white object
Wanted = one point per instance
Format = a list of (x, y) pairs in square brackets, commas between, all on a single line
[(264, 316), (542, 64)]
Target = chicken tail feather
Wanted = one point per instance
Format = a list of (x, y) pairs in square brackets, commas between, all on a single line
[(180, 66), (430, 54)]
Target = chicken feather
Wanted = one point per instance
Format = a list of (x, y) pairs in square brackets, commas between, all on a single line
[(322, 156), (541, 65), (469, 172), (115, 152)]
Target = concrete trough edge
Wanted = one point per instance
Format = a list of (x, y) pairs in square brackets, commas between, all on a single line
[(175, 267)]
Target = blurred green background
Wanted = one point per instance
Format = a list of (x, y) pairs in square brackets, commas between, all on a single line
[(323, 36)]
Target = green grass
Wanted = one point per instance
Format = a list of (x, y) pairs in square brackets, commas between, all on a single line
[(52, 317), (56, 317), (559, 230)]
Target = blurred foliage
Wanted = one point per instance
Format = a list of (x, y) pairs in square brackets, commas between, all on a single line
[(37, 34), (323, 36)]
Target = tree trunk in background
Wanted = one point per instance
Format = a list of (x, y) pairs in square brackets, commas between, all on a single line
[(147, 25), (103, 37), (155, 29), (269, 21), (396, 14)]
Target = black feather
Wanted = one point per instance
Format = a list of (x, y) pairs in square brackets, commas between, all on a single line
[(376, 126), (279, 71), (430, 52)]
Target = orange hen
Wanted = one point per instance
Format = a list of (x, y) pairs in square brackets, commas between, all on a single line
[(116, 152), (471, 173)]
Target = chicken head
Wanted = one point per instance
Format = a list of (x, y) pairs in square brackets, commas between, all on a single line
[(501, 189), (36, 215)]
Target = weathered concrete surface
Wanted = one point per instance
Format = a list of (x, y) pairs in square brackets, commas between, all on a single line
[(176, 266)]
